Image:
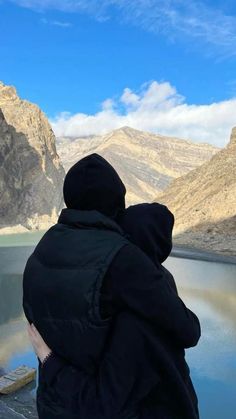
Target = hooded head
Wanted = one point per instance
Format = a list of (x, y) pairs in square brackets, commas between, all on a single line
[(93, 184), (149, 227)]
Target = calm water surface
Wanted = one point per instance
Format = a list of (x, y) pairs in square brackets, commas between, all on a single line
[(208, 288)]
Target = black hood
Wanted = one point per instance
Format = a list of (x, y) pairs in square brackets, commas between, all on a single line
[(93, 184), (149, 227)]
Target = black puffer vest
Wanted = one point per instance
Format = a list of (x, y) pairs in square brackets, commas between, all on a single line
[(62, 281)]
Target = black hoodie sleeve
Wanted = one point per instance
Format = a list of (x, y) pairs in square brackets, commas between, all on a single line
[(137, 284), (121, 382)]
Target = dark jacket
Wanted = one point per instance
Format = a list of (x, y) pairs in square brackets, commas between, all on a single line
[(56, 288), (129, 369), (62, 281), (150, 226)]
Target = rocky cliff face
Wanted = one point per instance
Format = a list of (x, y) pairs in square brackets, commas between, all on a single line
[(232, 142), (204, 203), (31, 175), (146, 162)]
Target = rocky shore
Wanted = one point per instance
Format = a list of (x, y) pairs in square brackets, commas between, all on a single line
[(219, 247), (19, 405), (189, 252)]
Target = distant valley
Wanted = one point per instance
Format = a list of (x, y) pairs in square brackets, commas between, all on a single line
[(196, 181)]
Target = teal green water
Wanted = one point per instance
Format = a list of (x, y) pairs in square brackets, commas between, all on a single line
[(23, 239), (208, 288)]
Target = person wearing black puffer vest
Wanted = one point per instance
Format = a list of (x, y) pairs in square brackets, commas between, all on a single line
[(62, 287)]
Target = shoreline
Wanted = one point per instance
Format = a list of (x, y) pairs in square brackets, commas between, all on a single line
[(189, 252), (31, 238)]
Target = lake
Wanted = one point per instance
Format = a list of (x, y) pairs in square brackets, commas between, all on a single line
[(208, 288)]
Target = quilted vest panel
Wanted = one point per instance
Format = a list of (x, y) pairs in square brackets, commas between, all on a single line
[(62, 281)]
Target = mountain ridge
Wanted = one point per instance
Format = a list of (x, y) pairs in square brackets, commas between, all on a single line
[(146, 162), (204, 203), (31, 174)]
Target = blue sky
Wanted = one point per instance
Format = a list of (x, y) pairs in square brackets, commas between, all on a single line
[(164, 66)]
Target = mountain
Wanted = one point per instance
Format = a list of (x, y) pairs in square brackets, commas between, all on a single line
[(204, 203), (146, 162), (31, 174)]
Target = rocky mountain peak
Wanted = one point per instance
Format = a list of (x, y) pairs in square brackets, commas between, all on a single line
[(125, 131), (31, 174), (232, 142), (1, 117), (204, 202), (7, 92), (146, 162)]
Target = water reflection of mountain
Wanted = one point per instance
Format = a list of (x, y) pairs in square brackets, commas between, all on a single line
[(208, 288), (10, 297), (13, 334), (214, 357), (202, 275), (13, 340), (222, 302), (12, 263)]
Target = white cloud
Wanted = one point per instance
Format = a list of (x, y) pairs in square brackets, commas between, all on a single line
[(61, 24), (56, 23), (158, 108), (108, 104), (189, 19), (129, 98), (93, 7)]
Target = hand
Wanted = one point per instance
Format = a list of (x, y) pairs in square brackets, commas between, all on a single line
[(40, 347)]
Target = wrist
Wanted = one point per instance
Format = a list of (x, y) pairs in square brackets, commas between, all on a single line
[(52, 367), (45, 357)]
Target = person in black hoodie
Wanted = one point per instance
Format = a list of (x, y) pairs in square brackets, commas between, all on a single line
[(63, 288), (149, 226)]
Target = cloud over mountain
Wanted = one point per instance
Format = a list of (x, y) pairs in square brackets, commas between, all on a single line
[(155, 107)]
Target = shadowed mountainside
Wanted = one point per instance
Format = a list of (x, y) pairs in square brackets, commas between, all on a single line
[(204, 203), (31, 175)]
